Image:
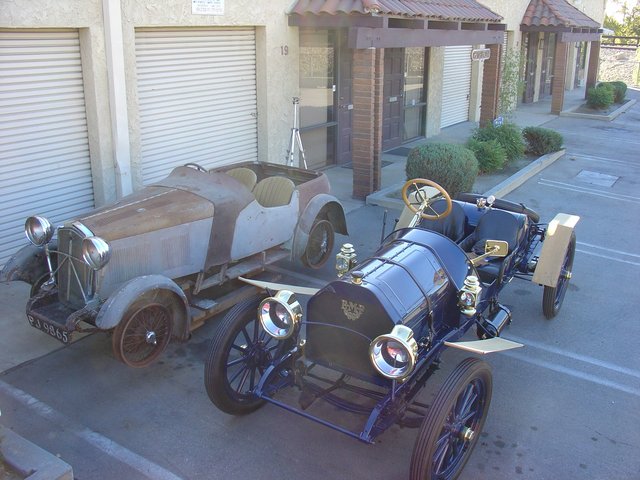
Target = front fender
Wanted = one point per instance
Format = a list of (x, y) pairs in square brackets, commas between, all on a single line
[(118, 303), (28, 264), (321, 206)]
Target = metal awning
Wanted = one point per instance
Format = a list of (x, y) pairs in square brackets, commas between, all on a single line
[(402, 23)]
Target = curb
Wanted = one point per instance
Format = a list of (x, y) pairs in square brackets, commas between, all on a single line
[(381, 199), (30, 461), (517, 179), (606, 118)]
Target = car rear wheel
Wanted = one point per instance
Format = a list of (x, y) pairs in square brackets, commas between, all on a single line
[(553, 297), (143, 333), (237, 357), (453, 423), (319, 245)]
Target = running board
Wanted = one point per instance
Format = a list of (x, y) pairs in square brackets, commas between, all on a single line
[(491, 345), (280, 286)]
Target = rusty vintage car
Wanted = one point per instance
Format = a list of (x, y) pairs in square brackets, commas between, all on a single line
[(157, 263)]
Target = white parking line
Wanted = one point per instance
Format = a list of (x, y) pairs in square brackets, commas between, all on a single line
[(621, 252), (588, 191), (577, 356), (108, 446), (608, 257), (606, 160), (572, 372)]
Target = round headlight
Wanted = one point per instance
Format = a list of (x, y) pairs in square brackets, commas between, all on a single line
[(279, 315), (38, 230), (467, 299), (394, 355), (96, 252)]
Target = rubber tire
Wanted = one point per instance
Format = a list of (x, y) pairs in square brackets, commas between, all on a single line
[(470, 369), (307, 260), (216, 382), (551, 304), (117, 341)]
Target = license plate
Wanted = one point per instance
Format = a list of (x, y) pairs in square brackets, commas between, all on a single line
[(53, 330)]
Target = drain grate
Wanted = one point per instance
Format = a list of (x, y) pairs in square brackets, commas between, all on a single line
[(596, 178)]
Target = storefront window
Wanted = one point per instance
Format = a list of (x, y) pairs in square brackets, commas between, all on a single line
[(414, 93), (317, 87)]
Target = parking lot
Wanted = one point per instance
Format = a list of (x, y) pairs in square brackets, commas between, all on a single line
[(566, 406)]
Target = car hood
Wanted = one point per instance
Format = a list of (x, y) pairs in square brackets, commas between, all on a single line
[(185, 196), (152, 208)]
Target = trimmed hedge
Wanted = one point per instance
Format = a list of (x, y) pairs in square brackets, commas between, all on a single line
[(541, 141), (620, 91), (601, 96), (490, 155), (452, 166), (508, 135)]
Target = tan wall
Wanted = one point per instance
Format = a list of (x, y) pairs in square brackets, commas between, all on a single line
[(277, 74)]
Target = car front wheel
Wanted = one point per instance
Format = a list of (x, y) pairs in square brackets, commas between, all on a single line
[(237, 357), (143, 333), (453, 423)]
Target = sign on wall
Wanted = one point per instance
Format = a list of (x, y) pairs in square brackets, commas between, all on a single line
[(480, 54), (207, 7)]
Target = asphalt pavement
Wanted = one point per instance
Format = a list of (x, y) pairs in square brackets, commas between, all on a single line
[(566, 406)]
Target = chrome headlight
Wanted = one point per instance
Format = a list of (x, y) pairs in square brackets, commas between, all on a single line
[(279, 315), (96, 252), (394, 355), (38, 230)]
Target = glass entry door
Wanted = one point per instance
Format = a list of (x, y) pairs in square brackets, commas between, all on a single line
[(317, 96), (415, 102)]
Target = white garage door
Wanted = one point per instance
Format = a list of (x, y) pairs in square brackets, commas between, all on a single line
[(456, 85), (44, 150), (197, 98)]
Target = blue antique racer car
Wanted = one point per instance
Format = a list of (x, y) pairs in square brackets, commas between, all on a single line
[(369, 341)]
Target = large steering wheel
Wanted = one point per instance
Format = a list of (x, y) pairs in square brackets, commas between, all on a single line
[(197, 167), (418, 202)]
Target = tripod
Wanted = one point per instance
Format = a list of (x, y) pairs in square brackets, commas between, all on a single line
[(295, 137)]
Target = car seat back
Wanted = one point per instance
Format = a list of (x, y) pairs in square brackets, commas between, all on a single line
[(451, 226), (244, 175), (274, 191)]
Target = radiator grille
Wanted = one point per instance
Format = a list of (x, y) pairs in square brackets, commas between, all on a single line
[(74, 274)]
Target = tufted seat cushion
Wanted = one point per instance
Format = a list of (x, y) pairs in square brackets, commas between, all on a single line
[(274, 191), (244, 175)]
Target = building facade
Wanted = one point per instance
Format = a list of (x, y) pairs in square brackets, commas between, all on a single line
[(100, 97)]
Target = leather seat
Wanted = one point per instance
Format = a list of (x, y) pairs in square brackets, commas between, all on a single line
[(244, 175), (495, 225), (451, 226), (274, 191)]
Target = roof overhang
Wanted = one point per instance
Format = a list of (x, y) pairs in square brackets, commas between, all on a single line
[(559, 16), (403, 23)]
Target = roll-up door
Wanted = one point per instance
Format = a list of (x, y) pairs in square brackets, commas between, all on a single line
[(45, 167), (197, 98), (456, 85)]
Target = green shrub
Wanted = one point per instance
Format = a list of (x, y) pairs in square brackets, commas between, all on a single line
[(508, 135), (490, 155), (454, 167), (541, 141), (600, 97), (620, 91)]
